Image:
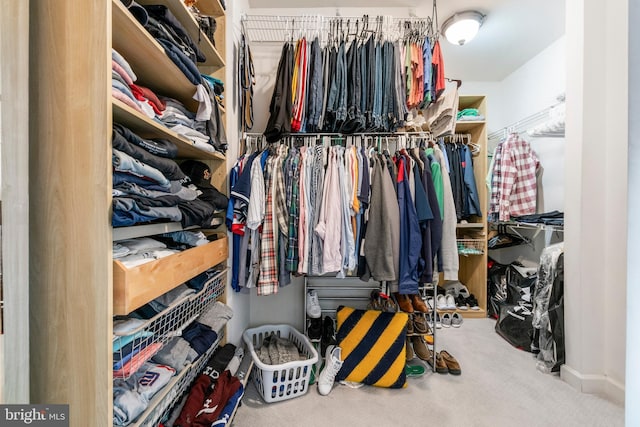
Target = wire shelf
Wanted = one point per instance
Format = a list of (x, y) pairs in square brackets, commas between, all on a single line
[(161, 405), (471, 246), (279, 29), (132, 350)]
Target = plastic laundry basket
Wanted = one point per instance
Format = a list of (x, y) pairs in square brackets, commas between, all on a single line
[(285, 381)]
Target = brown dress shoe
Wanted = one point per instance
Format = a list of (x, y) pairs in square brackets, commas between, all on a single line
[(452, 364), (404, 302), (421, 349), (418, 304)]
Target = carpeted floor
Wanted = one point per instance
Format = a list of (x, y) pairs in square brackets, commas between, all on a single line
[(499, 386)]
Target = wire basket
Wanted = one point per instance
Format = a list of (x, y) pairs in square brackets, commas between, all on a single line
[(471, 246), (163, 403), (132, 350), (285, 381)]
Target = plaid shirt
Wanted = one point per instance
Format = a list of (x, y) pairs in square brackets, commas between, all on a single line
[(268, 280), (514, 185), (293, 196)]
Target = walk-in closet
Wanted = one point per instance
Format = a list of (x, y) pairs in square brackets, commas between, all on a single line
[(278, 213)]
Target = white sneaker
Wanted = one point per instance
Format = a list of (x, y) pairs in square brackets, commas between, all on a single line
[(450, 302), (332, 365), (313, 305), (441, 302)]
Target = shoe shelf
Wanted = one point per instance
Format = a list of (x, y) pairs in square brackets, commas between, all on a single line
[(134, 287), (164, 401), (158, 330)]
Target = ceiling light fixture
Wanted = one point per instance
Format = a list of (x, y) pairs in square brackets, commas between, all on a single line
[(462, 26)]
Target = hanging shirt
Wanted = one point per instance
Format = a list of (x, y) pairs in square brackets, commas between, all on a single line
[(382, 238), (410, 237), (448, 261), (438, 70), (329, 227), (268, 280), (516, 174)]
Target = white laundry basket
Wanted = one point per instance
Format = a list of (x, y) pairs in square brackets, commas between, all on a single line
[(285, 381)]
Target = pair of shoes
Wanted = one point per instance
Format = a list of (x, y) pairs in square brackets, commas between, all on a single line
[(446, 302), (313, 305), (328, 334), (314, 329), (332, 365), (461, 302), (451, 319), (473, 302), (411, 303), (447, 364)]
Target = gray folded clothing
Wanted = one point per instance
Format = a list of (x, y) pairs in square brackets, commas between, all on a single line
[(177, 353), (165, 300), (276, 350), (216, 316)]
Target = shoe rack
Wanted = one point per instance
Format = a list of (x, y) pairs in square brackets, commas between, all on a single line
[(333, 292)]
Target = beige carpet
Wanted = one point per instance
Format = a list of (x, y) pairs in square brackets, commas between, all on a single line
[(499, 386)]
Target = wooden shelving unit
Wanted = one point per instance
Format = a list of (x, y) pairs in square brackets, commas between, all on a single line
[(71, 266), (473, 268)]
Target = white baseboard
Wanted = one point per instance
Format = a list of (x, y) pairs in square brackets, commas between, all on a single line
[(594, 384)]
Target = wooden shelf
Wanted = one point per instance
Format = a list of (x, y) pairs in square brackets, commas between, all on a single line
[(210, 7), (147, 128), (470, 101), (134, 287), (182, 14), (467, 125), (147, 58), (471, 225)]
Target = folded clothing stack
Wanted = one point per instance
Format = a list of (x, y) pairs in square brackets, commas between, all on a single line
[(276, 350), (469, 114)]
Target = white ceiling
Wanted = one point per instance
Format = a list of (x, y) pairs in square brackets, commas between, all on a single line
[(513, 32)]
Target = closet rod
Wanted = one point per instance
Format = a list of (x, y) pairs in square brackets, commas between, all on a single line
[(530, 122)]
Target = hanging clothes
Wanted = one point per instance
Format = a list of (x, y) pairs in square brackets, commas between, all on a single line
[(514, 182), (448, 261), (410, 236), (280, 107), (383, 226)]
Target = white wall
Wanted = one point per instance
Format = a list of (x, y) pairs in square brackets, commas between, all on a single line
[(596, 191), (632, 380), (530, 89), (239, 302)]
